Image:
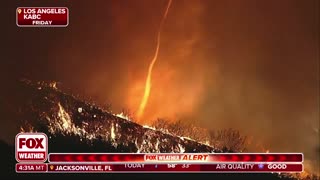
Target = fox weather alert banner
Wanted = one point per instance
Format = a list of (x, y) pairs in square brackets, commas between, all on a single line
[(33, 157)]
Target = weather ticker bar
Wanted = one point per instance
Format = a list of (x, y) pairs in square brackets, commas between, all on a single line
[(191, 158), (31, 153), (164, 168)]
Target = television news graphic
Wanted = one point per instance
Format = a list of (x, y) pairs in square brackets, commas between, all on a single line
[(42, 16), (31, 167), (168, 168), (31, 147), (32, 152), (195, 158)]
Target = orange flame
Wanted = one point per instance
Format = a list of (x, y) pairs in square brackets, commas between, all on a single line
[(154, 59)]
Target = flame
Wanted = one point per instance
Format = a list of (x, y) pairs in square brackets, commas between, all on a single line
[(65, 119), (154, 59), (123, 116), (53, 85), (113, 135), (149, 127)]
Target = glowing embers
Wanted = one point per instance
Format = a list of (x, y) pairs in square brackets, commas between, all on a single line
[(123, 116), (64, 118)]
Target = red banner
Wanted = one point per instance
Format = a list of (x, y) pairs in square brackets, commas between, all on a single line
[(42, 16), (175, 157), (221, 167)]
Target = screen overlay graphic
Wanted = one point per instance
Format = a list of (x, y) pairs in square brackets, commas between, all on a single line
[(32, 156)]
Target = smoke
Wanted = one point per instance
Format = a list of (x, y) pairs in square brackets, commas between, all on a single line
[(245, 65), (224, 64), (148, 85), (179, 77)]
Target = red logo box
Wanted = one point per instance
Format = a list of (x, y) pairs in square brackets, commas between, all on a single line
[(42, 16), (31, 147)]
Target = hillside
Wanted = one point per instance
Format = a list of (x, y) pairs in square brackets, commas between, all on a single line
[(73, 125)]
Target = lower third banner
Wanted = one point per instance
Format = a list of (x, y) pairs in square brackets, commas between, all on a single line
[(173, 168)]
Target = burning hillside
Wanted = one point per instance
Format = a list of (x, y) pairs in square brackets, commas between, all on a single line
[(59, 115), (73, 125)]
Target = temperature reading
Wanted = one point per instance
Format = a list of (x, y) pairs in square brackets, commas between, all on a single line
[(172, 165), (185, 165)]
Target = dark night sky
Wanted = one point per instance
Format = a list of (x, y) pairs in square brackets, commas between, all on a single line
[(250, 65)]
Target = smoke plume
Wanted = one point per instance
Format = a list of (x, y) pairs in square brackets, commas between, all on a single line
[(248, 65)]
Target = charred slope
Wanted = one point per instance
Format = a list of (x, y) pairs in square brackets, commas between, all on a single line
[(76, 126), (71, 122)]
